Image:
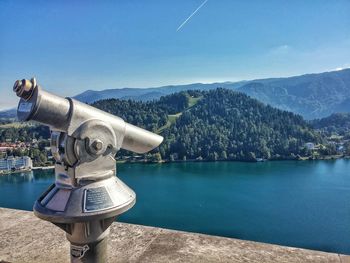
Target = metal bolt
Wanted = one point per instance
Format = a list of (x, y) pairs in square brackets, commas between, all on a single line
[(97, 145)]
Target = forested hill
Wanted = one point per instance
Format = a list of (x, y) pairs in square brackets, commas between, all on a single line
[(337, 123), (218, 124)]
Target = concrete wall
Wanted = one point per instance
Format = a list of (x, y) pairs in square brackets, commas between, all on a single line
[(24, 238)]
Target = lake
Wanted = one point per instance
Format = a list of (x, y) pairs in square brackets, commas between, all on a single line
[(294, 203)]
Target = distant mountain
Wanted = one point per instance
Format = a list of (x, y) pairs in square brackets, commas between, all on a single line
[(147, 94), (8, 114), (311, 95), (219, 124)]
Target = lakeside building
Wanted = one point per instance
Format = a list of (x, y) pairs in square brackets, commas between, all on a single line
[(5, 148), (16, 163), (310, 145)]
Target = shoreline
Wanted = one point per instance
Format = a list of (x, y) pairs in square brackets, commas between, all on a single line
[(43, 167), (323, 158), (5, 172)]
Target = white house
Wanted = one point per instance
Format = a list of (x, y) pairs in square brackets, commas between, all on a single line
[(16, 163), (310, 145)]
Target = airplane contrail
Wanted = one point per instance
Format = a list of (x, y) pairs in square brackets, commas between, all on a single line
[(195, 11)]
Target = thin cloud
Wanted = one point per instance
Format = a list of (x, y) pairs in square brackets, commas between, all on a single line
[(280, 50), (345, 66), (195, 11)]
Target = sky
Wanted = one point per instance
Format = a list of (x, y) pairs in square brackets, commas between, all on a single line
[(73, 46)]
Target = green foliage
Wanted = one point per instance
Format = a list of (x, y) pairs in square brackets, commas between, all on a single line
[(150, 115), (27, 134), (24, 134), (222, 125), (5, 121), (335, 124), (38, 155), (155, 157), (347, 148), (230, 125)]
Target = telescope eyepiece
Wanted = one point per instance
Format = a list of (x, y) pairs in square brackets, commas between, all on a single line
[(24, 88)]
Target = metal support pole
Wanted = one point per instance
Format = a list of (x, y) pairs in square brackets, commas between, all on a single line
[(95, 252)]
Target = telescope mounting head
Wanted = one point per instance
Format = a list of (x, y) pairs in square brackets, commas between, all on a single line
[(84, 140)]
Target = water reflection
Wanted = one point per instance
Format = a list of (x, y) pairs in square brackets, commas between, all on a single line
[(17, 178), (44, 175), (26, 177)]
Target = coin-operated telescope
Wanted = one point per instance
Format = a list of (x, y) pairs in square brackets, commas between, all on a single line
[(86, 196)]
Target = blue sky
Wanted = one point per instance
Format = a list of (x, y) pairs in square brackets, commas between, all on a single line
[(72, 46)]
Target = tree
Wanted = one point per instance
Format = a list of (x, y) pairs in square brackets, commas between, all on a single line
[(223, 155), (42, 158), (157, 157)]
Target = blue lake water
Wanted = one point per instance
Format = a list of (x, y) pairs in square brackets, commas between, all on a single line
[(302, 204)]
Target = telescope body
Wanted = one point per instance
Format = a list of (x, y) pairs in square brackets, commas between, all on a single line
[(67, 114)]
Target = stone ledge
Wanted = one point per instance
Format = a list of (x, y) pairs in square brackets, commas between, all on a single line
[(25, 238)]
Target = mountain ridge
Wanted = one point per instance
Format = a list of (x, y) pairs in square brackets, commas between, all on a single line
[(313, 95), (91, 96)]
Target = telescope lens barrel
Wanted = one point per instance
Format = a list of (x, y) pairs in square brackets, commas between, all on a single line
[(41, 106), (139, 140)]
